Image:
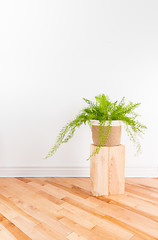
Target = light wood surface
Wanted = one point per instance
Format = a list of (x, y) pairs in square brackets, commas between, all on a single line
[(107, 170), (64, 209)]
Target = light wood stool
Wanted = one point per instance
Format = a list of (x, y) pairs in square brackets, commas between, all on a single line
[(107, 170)]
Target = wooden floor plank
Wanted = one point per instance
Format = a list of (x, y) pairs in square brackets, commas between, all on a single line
[(15, 231), (75, 236), (136, 205), (139, 191), (64, 209), (28, 228), (80, 230), (107, 221), (149, 183), (5, 234), (49, 232), (96, 217)]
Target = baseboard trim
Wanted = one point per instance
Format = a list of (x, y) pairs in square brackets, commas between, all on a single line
[(44, 171), (141, 172), (70, 172)]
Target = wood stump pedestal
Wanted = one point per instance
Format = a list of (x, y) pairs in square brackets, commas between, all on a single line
[(107, 170)]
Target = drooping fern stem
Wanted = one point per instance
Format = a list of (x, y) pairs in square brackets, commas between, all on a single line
[(102, 137), (66, 133), (103, 110)]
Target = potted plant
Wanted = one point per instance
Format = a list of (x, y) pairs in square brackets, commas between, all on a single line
[(105, 119)]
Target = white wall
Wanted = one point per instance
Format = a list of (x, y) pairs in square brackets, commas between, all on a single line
[(53, 53)]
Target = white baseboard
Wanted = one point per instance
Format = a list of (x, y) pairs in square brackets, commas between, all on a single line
[(141, 172), (44, 171), (70, 171)]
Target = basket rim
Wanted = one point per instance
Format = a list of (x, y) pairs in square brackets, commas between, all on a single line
[(114, 123)]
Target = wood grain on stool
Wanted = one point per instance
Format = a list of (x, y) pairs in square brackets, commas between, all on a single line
[(107, 170)]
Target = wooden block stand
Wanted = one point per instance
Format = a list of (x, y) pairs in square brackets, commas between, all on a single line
[(107, 170)]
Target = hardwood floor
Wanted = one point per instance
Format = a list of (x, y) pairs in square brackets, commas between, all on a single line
[(64, 209)]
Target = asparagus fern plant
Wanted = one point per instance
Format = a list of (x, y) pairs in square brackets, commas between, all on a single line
[(103, 109)]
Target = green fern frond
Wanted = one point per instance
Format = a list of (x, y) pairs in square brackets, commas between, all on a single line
[(102, 110)]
